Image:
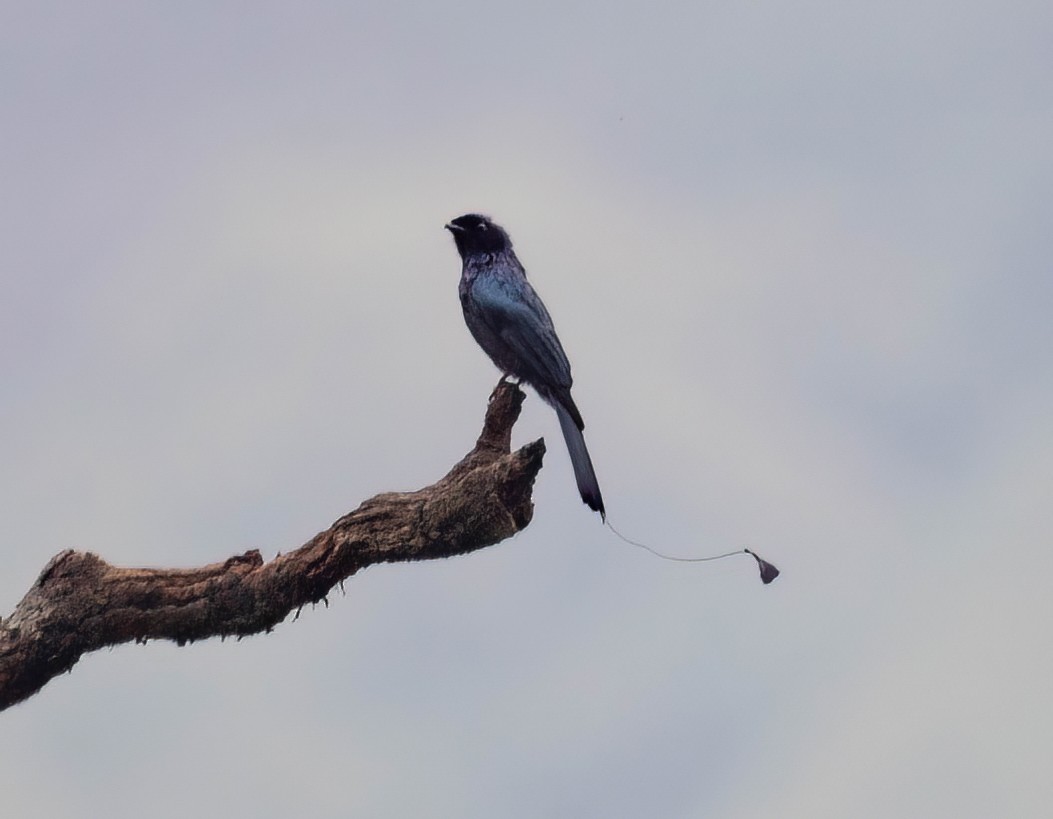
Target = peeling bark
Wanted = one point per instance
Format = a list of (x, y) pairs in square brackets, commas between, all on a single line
[(81, 603)]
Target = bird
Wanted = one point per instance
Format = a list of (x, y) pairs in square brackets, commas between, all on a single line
[(509, 321)]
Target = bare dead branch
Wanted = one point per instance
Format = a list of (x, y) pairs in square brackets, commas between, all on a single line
[(81, 603)]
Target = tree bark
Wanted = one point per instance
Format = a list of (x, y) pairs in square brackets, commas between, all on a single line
[(81, 603)]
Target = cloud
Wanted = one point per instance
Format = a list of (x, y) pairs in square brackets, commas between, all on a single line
[(796, 265)]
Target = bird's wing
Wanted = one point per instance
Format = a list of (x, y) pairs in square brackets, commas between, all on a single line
[(515, 313)]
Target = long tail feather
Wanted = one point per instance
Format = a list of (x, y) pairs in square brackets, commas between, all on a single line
[(584, 474)]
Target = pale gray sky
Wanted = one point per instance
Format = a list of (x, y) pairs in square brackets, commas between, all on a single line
[(799, 258)]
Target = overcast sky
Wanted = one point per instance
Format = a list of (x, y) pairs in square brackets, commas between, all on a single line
[(799, 256)]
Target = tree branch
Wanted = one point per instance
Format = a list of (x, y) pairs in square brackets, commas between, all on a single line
[(81, 603)]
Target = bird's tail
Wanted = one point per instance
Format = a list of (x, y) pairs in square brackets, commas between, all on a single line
[(584, 474)]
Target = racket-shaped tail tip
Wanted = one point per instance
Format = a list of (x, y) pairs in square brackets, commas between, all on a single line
[(768, 571)]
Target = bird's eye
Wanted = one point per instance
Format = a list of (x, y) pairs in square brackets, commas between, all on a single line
[(482, 226)]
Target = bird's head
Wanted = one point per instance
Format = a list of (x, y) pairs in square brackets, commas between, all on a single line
[(475, 234)]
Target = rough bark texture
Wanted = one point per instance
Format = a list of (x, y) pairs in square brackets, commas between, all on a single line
[(81, 603)]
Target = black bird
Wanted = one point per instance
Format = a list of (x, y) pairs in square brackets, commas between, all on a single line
[(511, 324)]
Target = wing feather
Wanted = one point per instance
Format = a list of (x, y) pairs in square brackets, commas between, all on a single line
[(525, 326)]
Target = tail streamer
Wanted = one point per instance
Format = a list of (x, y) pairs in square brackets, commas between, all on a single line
[(768, 572)]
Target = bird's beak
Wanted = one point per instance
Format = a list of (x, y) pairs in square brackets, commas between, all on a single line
[(453, 228)]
